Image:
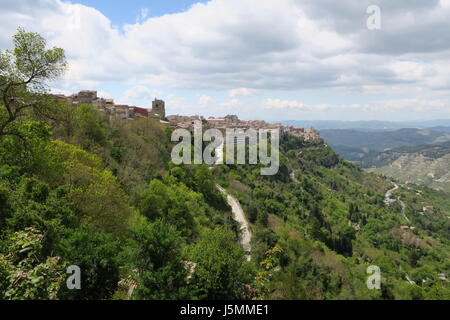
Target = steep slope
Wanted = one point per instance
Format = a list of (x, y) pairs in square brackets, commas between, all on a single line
[(330, 222), (102, 194), (239, 216), (425, 165)]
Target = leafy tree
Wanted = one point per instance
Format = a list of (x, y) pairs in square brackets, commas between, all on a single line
[(23, 75), (25, 272), (268, 265), (88, 126), (96, 255), (221, 270), (29, 151), (173, 202), (157, 256), (95, 192)]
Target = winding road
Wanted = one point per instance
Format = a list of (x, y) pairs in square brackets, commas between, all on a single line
[(239, 217), (238, 213), (388, 200)]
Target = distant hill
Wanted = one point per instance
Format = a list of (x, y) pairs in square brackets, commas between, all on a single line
[(441, 128), (355, 145), (425, 165), (369, 125)]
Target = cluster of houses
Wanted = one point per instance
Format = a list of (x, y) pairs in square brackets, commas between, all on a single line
[(233, 122), (158, 112), (123, 111)]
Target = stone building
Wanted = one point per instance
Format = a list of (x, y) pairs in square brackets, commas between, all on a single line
[(123, 111), (107, 105), (86, 97), (232, 120), (158, 109)]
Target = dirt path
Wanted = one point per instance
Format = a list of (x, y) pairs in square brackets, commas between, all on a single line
[(387, 197), (239, 217), (388, 200)]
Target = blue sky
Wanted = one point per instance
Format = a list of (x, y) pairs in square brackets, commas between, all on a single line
[(259, 59), (125, 12)]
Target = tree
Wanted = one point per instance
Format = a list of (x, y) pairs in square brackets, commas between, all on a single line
[(157, 256), (95, 253), (175, 203), (221, 270), (27, 148), (25, 272), (88, 126), (95, 192), (23, 76)]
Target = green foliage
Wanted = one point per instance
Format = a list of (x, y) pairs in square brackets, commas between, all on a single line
[(156, 255), (268, 264), (175, 203), (330, 221), (80, 188), (89, 129), (94, 191), (25, 272), (23, 75), (221, 270), (96, 255)]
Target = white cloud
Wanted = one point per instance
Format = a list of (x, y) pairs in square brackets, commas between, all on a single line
[(445, 3), (220, 44), (235, 45), (104, 94), (417, 105), (293, 104), (139, 95), (205, 100), (242, 92), (60, 91), (232, 103)]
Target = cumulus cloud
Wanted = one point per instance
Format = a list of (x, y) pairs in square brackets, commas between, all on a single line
[(242, 92), (258, 44), (233, 43), (293, 104)]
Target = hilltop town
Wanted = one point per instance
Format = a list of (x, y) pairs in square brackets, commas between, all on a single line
[(158, 112), (108, 106), (233, 122)]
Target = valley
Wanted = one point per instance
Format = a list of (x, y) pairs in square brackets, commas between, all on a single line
[(424, 165)]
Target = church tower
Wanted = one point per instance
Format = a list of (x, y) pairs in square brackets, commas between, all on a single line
[(158, 109)]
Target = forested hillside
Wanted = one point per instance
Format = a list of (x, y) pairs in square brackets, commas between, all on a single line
[(363, 145), (330, 222), (425, 165), (81, 188)]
